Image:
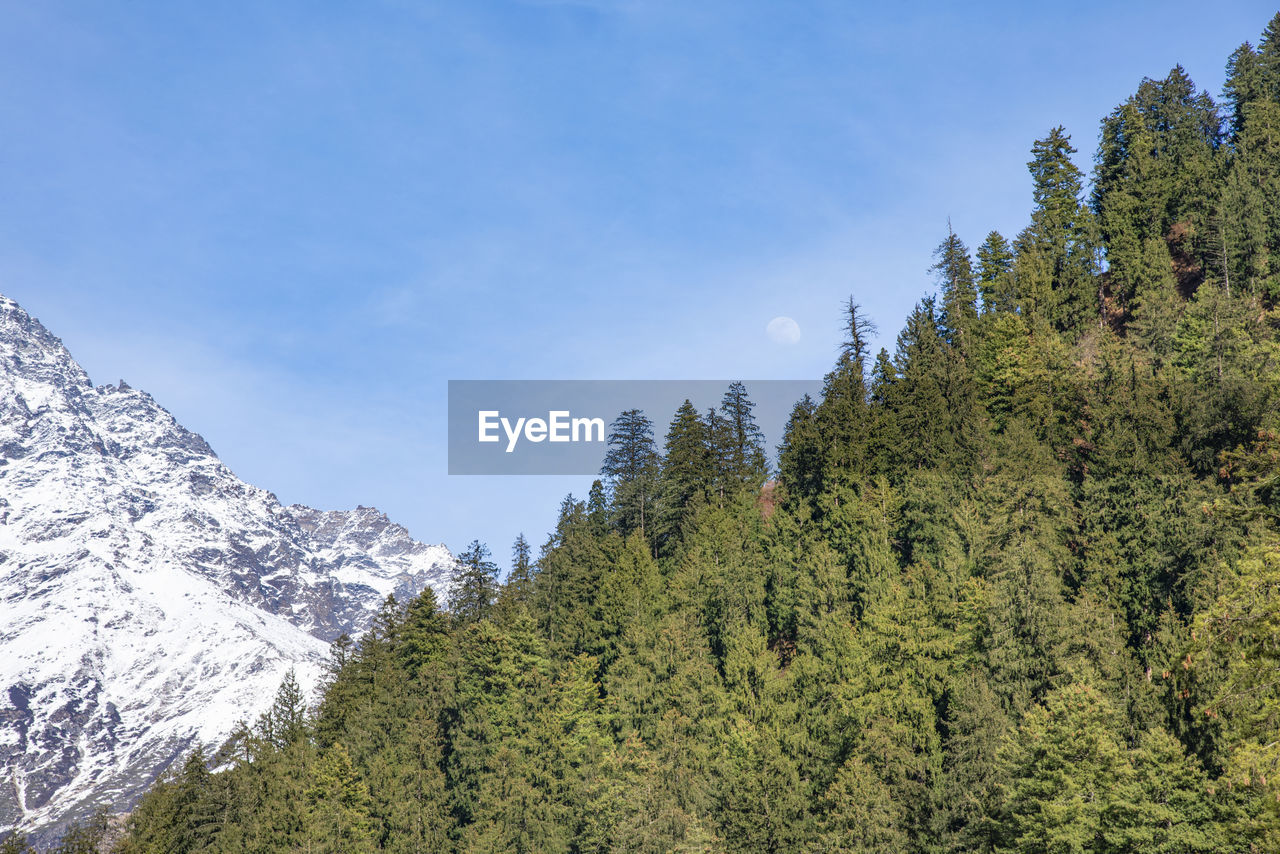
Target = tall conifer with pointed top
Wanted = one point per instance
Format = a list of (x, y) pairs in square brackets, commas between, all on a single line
[(1056, 259), (632, 467), (954, 271), (738, 443), (995, 274), (476, 584), (687, 475), (800, 454), (842, 414)]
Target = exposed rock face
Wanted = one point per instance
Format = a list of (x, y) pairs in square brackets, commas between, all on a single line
[(149, 599)]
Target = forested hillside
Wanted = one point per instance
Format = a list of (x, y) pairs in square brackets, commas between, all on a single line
[(1014, 586)]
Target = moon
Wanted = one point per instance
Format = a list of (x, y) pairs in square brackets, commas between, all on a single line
[(783, 330)]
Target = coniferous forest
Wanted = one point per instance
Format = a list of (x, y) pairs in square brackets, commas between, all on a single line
[(1014, 586)]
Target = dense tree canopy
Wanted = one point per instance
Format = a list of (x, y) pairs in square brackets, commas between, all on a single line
[(1016, 587)]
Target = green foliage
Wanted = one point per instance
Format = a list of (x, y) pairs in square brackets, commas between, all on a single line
[(1234, 656), (15, 843), (800, 455), (1055, 261), (842, 414), (737, 445), (687, 476), (632, 465), (1076, 787), (1154, 181), (84, 837), (931, 407), (995, 274), (476, 584), (959, 291), (1015, 588)]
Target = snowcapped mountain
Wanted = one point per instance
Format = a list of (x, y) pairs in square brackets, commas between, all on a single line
[(149, 599)]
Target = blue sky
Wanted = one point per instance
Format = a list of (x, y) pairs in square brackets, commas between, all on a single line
[(294, 222)]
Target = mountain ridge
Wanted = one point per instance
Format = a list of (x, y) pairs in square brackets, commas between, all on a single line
[(149, 598)]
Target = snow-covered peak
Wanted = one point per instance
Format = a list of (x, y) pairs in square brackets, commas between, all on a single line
[(149, 598), (364, 546)]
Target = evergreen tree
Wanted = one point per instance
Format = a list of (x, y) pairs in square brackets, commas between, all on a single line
[(476, 584), (959, 291), (1023, 556), (1246, 231), (1069, 778), (518, 589), (1055, 258), (1156, 305), (597, 509), (842, 413), (83, 837), (1269, 59), (285, 722), (687, 475), (859, 815), (16, 843), (632, 466), (1232, 662), (1076, 787), (194, 811), (932, 407), (995, 274), (338, 805), (737, 445), (1244, 85), (800, 454), (1156, 164)]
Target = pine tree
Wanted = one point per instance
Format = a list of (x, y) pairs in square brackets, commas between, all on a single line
[(800, 454), (859, 815), (737, 444), (1023, 557), (1269, 59), (632, 466), (597, 509), (842, 414), (475, 586), (1231, 663), (1068, 776), (421, 633), (959, 292), (1073, 785), (1014, 375), (83, 837), (1247, 227), (194, 812), (1244, 85), (1227, 362), (932, 407), (762, 807), (518, 589), (1055, 259), (338, 805), (995, 275), (687, 476), (286, 721), (976, 729), (16, 843), (1156, 305), (499, 763), (1155, 177)]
